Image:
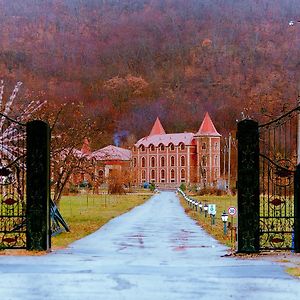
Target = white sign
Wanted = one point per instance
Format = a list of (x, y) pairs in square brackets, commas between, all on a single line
[(212, 209), (232, 211)]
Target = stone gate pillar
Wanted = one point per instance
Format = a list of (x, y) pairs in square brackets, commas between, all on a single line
[(248, 186), (38, 185)]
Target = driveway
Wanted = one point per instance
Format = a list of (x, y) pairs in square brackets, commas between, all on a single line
[(153, 252)]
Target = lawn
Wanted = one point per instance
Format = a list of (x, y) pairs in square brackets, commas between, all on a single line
[(216, 230), (86, 213)]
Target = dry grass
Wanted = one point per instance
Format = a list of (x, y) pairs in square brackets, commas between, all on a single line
[(294, 271), (222, 203)]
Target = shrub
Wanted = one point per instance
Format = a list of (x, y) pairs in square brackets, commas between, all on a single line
[(182, 187)]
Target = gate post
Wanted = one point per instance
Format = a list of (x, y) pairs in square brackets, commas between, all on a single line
[(248, 186), (38, 185), (297, 210)]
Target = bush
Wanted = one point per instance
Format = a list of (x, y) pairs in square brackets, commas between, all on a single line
[(211, 191), (152, 187), (183, 187)]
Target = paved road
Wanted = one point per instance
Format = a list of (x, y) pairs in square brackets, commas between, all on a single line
[(153, 252)]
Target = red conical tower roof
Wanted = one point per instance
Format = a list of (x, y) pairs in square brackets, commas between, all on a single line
[(207, 127), (86, 149), (157, 128)]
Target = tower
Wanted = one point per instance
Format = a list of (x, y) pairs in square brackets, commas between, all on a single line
[(208, 153)]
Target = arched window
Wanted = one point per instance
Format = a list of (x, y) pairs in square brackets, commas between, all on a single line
[(204, 146), (162, 161), (181, 146), (142, 148), (172, 175), (161, 147), (152, 161), (172, 159), (171, 146), (101, 175), (182, 161), (216, 174), (143, 175), (204, 161), (134, 162), (216, 160), (153, 175), (182, 175), (152, 148), (143, 162), (162, 175)]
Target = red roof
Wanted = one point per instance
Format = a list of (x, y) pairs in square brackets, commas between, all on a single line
[(157, 128), (207, 127)]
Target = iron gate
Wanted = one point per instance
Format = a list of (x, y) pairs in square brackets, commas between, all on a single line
[(268, 185), (278, 161), (12, 184)]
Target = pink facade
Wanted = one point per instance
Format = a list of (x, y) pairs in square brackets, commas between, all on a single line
[(171, 159)]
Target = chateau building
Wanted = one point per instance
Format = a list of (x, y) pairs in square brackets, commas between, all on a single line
[(169, 159)]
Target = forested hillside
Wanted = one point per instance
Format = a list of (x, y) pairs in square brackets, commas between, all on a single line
[(131, 61)]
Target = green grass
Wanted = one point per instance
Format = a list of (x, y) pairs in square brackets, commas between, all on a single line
[(87, 213), (222, 203)]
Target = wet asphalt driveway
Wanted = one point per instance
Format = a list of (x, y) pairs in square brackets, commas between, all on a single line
[(153, 252)]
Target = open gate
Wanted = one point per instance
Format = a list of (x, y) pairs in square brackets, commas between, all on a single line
[(12, 184), (24, 184), (268, 185)]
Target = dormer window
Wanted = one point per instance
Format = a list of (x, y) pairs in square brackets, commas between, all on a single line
[(142, 148), (152, 148), (161, 147), (181, 146), (171, 146)]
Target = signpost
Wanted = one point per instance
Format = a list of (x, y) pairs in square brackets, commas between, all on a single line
[(212, 211), (232, 212)]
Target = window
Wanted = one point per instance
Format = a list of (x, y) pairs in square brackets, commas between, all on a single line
[(182, 146), (143, 162), (172, 161), (153, 175), (182, 175), (152, 161), (204, 146), (101, 175), (204, 161), (142, 148), (182, 161), (152, 148), (216, 160), (162, 161), (161, 147), (172, 173), (134, 162), (216, 174), (143, 175), (171, 145), (162, 175), (204, 173), (216, 145)]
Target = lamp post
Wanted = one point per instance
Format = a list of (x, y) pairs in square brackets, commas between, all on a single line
[(224, 217), (200, 207), (205, 210)]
